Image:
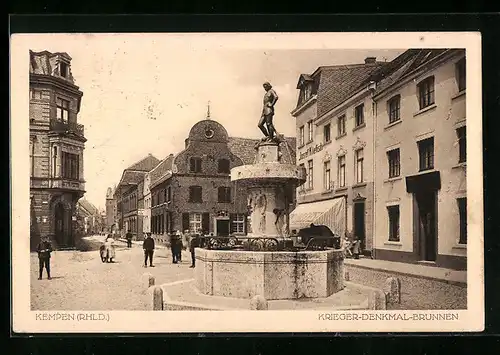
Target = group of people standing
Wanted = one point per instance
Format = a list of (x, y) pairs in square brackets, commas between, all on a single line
[(177, 241)]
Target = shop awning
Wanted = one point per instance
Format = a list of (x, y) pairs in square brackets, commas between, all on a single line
[(331, 213)]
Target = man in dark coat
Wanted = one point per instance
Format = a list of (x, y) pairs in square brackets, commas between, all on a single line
[(193, 243), (128, 236), (175, 240), (44, 249), (149, 247)]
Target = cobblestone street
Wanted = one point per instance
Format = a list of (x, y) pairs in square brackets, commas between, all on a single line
[(80, 281), (416, 293)]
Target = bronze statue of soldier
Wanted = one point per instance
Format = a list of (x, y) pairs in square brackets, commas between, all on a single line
[(266, 120)]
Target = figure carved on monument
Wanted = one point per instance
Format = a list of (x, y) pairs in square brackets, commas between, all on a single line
[(261, 207), (266, 120), (279, 222)]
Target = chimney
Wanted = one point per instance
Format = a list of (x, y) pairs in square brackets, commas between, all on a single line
[(370, 60)]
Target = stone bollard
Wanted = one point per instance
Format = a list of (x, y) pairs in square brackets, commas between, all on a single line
[(377, 300), (346, 276), (258, 303), (148, 279), (158, 299), (393, 290)]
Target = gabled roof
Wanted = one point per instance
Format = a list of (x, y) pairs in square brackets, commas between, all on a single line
[(161, 170), (88, 207), (403, 65), (338, 83), (244, 148), (132, 177), (148, 163)]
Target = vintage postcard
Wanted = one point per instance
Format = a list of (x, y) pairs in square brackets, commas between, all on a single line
[(246, 182)]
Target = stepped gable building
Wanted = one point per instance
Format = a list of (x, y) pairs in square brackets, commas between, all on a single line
[(129, 196), (192, 190), (56, 145), (420, 150), (334, 120)]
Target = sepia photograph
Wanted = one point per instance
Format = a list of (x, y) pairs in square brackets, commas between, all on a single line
[(321, 178)]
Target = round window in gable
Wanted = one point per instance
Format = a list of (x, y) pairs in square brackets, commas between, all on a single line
[(209, 132)]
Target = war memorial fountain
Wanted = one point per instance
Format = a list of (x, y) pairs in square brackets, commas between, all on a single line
[(232, 272)]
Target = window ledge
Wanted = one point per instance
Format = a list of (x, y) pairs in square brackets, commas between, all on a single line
[(301, 146), (395, 123), (397, 244), (363, 125), (327, 142), (397, 178), (424, 110), (460, 166), (360, 184), (460, 246), (457, 95), (341, 189), (309, 142), (326, 192), (342, 135)]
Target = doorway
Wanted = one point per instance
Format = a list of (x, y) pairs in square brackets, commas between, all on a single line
[(359, 222), (60, 224), (426, 229), (222, 227)]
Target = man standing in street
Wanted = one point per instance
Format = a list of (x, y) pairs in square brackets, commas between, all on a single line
[(44, 249), (174, 241), (193, 243), (149, 246), (128, 236)]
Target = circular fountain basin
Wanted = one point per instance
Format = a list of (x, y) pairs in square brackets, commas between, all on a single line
[(269, 172), (275, 275)]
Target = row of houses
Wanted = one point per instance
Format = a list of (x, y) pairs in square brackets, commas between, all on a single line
[(190, 190), (389, 139)]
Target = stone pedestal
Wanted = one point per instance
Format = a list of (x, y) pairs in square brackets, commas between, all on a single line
[(273, 275), (270, 185)]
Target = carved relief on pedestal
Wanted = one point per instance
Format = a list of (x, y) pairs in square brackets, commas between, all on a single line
[(260, 209)]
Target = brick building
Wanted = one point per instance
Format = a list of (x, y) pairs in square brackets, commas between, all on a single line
[(129, 196), (192, 190), (56, 144)]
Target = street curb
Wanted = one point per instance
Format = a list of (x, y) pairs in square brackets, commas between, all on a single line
[(402, 273)]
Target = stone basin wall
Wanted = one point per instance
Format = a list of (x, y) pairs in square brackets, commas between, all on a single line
[(273, 275)]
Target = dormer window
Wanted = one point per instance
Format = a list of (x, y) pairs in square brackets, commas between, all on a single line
[(63, 69), (307, 92)]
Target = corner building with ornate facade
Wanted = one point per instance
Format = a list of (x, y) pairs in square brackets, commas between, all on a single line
[(56, 145)]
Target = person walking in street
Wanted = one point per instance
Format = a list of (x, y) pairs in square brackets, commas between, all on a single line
[(128, 236), (44, 249), (174, 241), (109, 247), (149, 246), (193, 243)]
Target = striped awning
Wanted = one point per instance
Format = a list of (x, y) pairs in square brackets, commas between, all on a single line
[(331, 213)]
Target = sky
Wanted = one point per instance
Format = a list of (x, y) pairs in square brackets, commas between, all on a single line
[(142, 94)]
